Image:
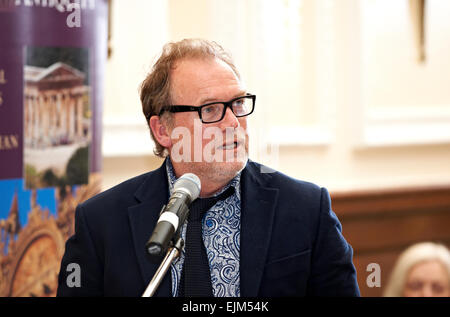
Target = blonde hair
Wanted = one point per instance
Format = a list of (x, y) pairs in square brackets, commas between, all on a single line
[(155, 89), (420, 252)]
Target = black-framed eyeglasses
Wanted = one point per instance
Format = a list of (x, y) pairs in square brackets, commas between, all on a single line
[(215, 111)]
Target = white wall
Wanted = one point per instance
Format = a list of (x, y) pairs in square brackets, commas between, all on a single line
[(340, 97)]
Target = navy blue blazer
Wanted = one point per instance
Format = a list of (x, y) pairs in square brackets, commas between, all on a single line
[(291, 241)]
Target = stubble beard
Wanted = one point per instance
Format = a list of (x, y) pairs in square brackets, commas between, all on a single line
[(220, 173)]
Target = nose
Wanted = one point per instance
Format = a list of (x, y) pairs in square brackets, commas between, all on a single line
[(229, 120)]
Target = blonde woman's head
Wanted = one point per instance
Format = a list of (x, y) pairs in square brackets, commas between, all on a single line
[(422, 270)]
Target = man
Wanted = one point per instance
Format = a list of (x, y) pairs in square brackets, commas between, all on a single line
[(271, 236)]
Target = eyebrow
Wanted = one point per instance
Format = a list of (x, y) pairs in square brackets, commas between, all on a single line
[(209, 100)]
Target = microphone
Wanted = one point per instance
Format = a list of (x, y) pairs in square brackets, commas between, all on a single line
[(185, 190)]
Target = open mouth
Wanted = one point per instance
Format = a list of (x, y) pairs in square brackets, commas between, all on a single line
[(230, 146)]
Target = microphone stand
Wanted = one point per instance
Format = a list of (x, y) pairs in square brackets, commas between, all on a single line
[(172, 253)]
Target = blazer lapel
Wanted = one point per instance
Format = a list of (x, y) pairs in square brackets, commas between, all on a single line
[(151, 195), (258, 209)]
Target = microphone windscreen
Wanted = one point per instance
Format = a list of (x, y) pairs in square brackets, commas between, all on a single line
[(189, 183)]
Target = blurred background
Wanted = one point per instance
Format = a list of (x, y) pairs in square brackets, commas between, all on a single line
[(342, 98), (353, 95)]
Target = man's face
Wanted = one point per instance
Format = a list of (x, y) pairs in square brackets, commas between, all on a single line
[(217, 150)]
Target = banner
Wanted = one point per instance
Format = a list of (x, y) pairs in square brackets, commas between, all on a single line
[(52, 59)]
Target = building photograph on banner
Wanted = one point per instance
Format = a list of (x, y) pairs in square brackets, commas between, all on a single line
[(52, 56), (57, 120)]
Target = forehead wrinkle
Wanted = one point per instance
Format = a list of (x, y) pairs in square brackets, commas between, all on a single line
[(208, 94), (207, 87)]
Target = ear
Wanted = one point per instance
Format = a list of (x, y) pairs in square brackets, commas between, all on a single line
[(160, 131)]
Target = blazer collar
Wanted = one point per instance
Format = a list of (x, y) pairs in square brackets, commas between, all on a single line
[(151, 196), (258, 201), (257, 214)]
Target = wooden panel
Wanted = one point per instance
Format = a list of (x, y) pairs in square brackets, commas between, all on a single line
[(371, 234), (386, 261), (362, 203), (381, 224)]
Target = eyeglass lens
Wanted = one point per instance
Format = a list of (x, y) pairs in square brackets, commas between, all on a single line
[(214, 112)]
